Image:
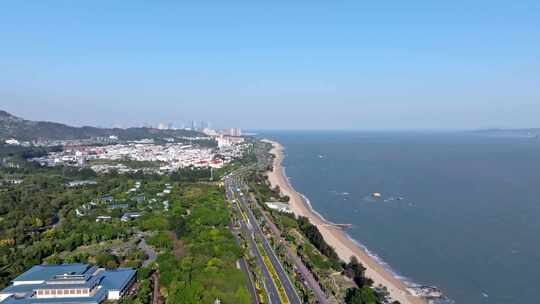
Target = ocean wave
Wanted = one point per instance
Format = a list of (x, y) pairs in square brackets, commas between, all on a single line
[(344, 193), (406, 280), (443, 299), (306, 200), (308, 203)]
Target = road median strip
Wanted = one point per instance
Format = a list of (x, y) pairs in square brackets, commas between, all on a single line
[(273, 275)]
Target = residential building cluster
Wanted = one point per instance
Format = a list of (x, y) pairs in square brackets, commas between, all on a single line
[(62, 142), (136, 202), (200, 126), (10, 181), (147, 156)]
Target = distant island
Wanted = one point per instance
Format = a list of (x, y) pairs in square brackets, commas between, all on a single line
[(528, 133)]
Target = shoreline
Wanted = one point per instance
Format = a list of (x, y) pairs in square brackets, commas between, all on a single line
[(344, 245)]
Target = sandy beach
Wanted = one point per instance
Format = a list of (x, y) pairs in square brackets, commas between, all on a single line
[(336, 237)]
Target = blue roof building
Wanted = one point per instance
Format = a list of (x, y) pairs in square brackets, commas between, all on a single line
[(117, 206), (68, 284)]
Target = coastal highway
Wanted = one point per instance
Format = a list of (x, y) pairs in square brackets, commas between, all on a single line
[(245, 268), (269, 286), (308, 278), (242, 262), (252, 228)]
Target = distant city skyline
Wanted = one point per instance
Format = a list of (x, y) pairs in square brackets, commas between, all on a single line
[(278, 65)]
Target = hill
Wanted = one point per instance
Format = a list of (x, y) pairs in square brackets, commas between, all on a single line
[(15, 127)]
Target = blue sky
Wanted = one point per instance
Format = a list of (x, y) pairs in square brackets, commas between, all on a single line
[(274, 65)]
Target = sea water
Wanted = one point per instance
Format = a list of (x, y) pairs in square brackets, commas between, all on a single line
[(457, 210)]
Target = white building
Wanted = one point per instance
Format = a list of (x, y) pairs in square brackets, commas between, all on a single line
[(281, 207), (12, 141)]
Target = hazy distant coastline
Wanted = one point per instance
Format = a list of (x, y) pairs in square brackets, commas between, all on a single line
[(526, 133)]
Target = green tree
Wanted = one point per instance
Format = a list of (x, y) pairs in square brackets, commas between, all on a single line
[(107, 260), (364, 295)]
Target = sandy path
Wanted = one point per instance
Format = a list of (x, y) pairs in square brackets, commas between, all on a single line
[(335, 237)]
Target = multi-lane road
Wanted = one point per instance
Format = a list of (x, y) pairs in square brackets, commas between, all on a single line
[(274, 276), (308, 278)]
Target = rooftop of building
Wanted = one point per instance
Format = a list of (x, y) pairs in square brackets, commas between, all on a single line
[(97, 298), (45, 272), (66, 276), (277, 204)]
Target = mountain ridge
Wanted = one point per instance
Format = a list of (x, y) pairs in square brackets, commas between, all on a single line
[(12, 126)]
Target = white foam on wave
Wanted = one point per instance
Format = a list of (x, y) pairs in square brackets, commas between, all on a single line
[(383, 263), (306, 201), (377, 258), (407, 281)]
